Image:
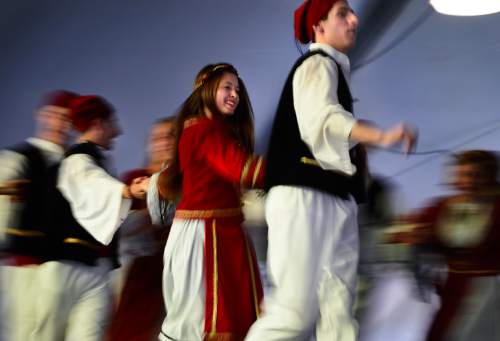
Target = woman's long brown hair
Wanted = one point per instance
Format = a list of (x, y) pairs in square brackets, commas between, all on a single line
[(203, 96)]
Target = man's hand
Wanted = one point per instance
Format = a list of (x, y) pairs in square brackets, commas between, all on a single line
[(400, 133)]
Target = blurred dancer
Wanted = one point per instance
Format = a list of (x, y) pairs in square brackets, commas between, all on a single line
[(87, 207), (140, 310), (465, 228), (137, 237), (23, 236)]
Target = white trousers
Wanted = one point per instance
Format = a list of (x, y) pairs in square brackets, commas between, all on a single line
[(54, 301), (312, 263), (74, 302), (184, 281), (18, 291), (395, 309)]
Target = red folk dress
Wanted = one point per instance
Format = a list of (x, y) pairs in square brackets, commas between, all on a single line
[(207, 225)]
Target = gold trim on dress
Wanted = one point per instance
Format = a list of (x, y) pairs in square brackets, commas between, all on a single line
[(309, 161), (252, 278), (204, 214), (82, 242), (224, 337), (191, 121), (257, 171), (246, 168), (215, 280), (23, 233)]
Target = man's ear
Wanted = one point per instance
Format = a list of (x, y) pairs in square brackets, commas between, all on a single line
[(318, 28)]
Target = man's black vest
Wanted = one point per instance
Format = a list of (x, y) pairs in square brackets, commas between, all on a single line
[(73, 241), (289, 160), (29, 235)]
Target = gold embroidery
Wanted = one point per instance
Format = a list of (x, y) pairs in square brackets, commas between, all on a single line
[(246, 168), (220, 66), (215, 279), (309, 161), (191, 121), (204, 214), (224, 337), (23, 233), (252, 278), (256, 171), (82, 242)]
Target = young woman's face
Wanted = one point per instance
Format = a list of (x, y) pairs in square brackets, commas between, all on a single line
[(339, 28), (227, 96)]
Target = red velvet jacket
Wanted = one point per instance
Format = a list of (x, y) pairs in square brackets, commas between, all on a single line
[(214, 167)]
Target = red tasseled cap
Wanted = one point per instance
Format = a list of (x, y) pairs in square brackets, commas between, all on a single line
[(84, 109), (309, 14), (59, 98)]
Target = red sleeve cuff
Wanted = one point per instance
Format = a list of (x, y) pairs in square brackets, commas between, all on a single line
[(252, 175)]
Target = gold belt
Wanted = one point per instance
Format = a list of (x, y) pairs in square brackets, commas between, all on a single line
[(204, 214), (23, 233), (309, 161), (83, 243)]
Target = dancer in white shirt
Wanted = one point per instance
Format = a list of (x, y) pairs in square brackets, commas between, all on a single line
[(316, 170), (87, 207)]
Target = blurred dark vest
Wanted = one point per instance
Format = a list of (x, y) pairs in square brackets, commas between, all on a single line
[(27, 234), (71, 240)]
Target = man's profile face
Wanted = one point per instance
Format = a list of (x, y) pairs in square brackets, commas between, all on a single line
[(110, 129), (339, 29)]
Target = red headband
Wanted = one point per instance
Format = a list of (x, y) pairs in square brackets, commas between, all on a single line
[(309, 14), (87, 108)]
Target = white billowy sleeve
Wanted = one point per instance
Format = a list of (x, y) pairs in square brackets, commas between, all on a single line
[(324, 124), (95, 196), (13, 167), (161, 211)]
